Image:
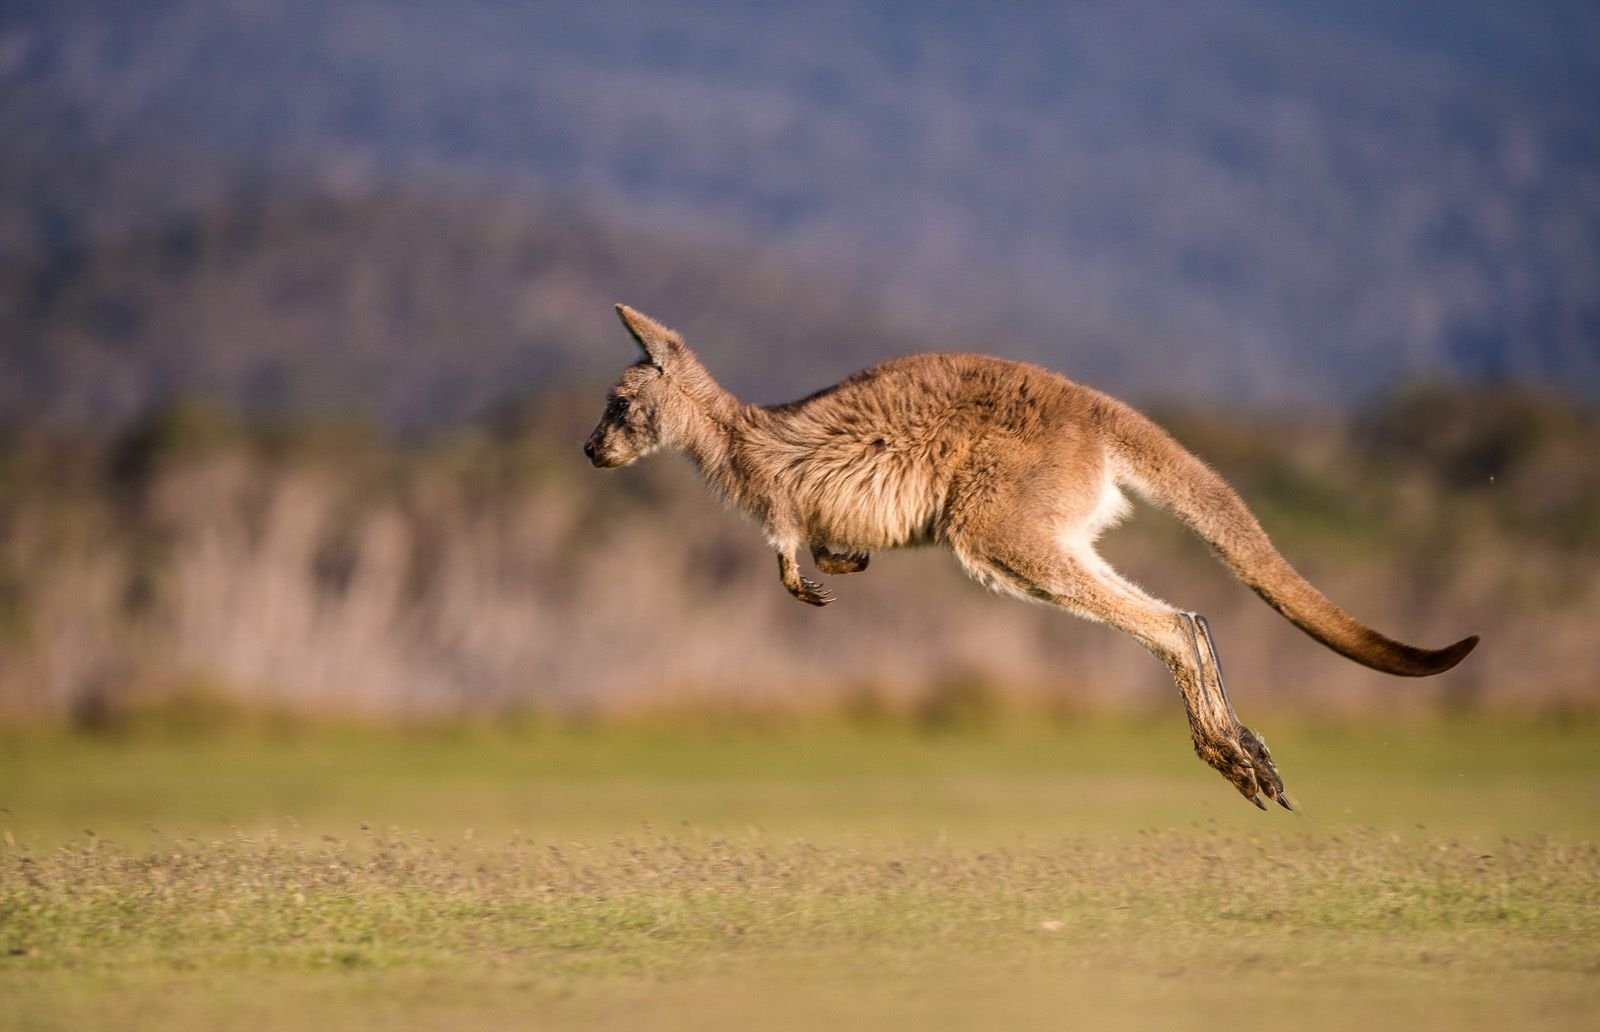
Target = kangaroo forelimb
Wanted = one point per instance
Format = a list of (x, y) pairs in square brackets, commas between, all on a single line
[(838, 563), (807, 591)]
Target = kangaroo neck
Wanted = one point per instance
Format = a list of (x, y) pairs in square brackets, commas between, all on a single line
[(717, 427)]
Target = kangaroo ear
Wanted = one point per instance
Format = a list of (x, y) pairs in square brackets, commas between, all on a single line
[(660, 345)]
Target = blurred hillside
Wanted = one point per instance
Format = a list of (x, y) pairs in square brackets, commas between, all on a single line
[(412, 309), (415, 211), (324, 568)]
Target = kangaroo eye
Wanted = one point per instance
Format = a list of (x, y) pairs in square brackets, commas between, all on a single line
[(620, 406)]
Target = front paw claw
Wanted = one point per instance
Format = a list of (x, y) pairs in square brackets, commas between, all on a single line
[(812, 593)]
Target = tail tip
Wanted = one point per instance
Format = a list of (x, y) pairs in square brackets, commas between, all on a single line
[(1450, 655)]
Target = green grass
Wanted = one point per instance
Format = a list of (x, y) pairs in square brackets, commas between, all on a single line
[(1442, 875)]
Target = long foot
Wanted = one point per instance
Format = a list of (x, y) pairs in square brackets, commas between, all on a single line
[(1235, 750)]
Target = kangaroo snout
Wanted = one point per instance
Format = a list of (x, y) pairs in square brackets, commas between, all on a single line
[(600, 456)]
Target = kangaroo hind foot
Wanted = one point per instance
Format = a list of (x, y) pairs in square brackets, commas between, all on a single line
[(1220, 739)]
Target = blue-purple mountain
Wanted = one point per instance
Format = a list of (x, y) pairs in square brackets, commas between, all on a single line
[(421, 208)]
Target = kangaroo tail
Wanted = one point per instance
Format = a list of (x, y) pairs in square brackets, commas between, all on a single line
[(1148, 460)]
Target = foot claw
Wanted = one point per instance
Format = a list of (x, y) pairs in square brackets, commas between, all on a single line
[(1246, 763), (1266, 771)]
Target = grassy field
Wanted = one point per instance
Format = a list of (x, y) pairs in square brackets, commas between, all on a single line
[(1094, 874)]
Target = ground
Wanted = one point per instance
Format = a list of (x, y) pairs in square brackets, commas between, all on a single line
[(1033, 874)]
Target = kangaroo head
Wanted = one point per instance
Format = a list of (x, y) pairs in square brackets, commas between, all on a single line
[(641, 410)]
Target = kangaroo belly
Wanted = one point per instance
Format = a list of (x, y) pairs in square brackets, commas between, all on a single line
[(885, 502)]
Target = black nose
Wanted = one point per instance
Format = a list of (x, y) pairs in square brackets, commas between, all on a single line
[(588, 449)]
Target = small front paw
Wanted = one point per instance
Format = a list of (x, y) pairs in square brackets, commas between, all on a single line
[(812, 593), (837, 565)]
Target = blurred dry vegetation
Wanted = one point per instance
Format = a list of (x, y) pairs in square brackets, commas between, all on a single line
[(199, 560)]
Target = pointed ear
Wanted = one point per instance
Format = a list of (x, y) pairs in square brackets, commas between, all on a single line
[(660, 345)]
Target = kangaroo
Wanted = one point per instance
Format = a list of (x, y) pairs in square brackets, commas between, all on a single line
[(1014, 468)]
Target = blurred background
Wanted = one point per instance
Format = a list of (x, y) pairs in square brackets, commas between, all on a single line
[(305, 309)]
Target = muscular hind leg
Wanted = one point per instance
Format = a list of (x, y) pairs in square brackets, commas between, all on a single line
[(1082, 583)]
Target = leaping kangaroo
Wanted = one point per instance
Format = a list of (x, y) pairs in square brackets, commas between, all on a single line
[(1014, 468)]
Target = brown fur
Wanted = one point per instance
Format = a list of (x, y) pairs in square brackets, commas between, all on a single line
[(1015, 469)]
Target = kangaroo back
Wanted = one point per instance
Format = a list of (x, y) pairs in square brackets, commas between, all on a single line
[(1147, 459)]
